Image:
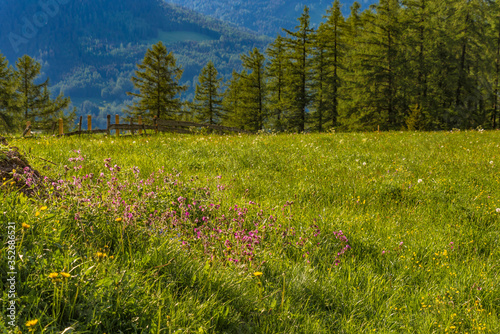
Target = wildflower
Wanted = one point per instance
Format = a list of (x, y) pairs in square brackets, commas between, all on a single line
[(37, 214), (498, 210), (100, 255), (257, 273), (43, 208), (118, 219), (65, 275), (53, 275), (420, 180), (25, 226), (31, 323)]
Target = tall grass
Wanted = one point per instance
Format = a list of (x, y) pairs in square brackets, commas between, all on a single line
[(316, 233)]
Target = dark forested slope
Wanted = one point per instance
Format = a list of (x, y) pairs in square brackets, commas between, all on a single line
[(89, 49)]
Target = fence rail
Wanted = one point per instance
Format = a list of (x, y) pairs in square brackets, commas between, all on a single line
[(158, 125)]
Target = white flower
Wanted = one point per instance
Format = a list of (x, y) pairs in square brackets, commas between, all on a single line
[(498, 210), (364, 163), (491, 162), (420, 180)]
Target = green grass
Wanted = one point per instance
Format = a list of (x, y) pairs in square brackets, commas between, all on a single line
[(424, 255)]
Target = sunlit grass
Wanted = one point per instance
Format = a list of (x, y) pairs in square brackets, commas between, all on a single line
[(419, 211)]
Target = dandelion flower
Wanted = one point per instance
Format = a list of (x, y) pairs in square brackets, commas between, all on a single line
[(100, 255), (43, 208), (257, 273), (65, 275), (53, 275), (37, 214), (118, 219), (25, 226), (31, 323)]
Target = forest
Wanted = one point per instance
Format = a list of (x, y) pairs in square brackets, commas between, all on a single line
[(410, 64)]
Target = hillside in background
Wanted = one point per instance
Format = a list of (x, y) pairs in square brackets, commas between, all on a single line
[(89, 49), (266, 16)]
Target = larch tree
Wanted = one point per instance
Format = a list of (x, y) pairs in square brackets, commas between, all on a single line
[(277, 64), (8, 87), (157, 80), (253, 91), (34, 100), (208, 98), (300, 73)]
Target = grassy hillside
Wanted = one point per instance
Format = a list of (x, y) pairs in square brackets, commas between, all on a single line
[(315, 233)]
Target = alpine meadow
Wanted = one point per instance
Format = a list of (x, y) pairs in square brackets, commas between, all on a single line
[(215, 168)]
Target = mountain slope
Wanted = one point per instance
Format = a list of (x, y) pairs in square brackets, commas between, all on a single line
[(265, 16), (89, 48)]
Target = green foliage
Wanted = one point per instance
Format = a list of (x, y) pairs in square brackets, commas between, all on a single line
[(8, 86), (253, 91), (299, 72), (34, 101), (157, 80), (208, 98)]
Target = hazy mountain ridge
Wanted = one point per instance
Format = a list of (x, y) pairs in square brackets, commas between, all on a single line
[(265, 16), (89, 49)]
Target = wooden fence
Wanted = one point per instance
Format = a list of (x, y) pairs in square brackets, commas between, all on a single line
[(157, 125)]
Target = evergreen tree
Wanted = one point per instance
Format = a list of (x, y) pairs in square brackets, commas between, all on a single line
[(377, 93), (8, 86), (330, 47), (232, 103), (208, 99), (299, 71), (276, 82), (157, 80), (34, 100), (253, 92), (495, 56)]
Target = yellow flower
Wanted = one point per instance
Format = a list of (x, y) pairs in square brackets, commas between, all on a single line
[(53, 275), (65, 275), (118, 219), (25, 226), (43, 208), (37, 214), (100, 255), (13, 171), (257, 273), (31, 323), (12, 183)]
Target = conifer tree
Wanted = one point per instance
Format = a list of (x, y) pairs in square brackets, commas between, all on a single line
[(299, 71), (330, 47), (34, 100), (8, 86), (377, 93), (253, 91), (232, 102), (276, 82), (208, 99), (157, 80)]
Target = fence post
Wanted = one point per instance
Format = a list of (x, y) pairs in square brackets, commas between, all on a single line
[(156, 124), (109, 123), (61, 127), (28, 129), (80, 124), (132, 123), (117, 121), (89, 123), (140, 123)]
